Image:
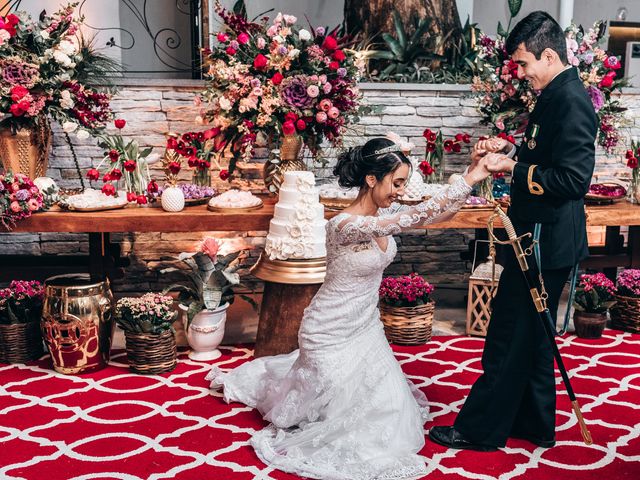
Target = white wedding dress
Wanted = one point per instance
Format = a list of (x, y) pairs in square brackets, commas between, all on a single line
[(340, 407)]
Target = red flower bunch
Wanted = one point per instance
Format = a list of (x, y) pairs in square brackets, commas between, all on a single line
[(19, 198), (632, 162), (405, 291), (21, 302), (433, 167), (197, 148)]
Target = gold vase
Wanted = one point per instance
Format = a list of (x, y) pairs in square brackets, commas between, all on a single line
[(287, 160), (26, 150)]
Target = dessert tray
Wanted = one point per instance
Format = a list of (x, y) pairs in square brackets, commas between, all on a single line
[(235, 201), (602, 193), (93, 201), (478, 203), (336, 203), (235, 209)]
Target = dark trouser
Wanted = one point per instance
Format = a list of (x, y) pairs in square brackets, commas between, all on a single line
[(516, 394)]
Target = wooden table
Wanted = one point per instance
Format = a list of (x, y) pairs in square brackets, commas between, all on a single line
[(197, 219)]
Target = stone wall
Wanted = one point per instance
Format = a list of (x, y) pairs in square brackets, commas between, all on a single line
[(152, 108)]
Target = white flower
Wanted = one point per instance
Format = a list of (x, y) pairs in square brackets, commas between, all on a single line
[(294, 52), (289, 19), (62, 58), (4, 36), (304, 35), (313, 91), (69, 127), (44, 34), (261, 43), (65, 99), (224, 103), (278, 18), (82, 134), (278, 39), (68, 47)]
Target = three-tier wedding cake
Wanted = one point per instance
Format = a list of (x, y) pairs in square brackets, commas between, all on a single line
[(297, 229)]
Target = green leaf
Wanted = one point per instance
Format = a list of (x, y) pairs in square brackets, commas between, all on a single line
[(402, 36), (394, 46), (194, 309), (501, 31), (514, 7)]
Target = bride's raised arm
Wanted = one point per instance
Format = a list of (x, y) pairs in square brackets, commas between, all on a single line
[(358, 228)]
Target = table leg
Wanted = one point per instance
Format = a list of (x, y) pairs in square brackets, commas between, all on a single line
[(98, 242), (634, 246), (280, 317), (612, 245)]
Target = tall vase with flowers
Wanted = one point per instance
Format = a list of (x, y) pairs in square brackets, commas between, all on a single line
[(633, 192), (433, 167), (199, 149), (406, 309), (268, 81), (126, 164), (595, 295), (49, 71), (20, 313)]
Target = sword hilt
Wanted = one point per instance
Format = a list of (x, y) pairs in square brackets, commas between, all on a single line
[(514, 240)]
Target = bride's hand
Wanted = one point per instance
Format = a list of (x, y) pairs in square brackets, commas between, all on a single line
[(497, 162)]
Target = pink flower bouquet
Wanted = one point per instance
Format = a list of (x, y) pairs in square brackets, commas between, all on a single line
[(405, 291)]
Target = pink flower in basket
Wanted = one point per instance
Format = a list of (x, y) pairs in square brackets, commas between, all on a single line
[(405, 291), (629, 283)]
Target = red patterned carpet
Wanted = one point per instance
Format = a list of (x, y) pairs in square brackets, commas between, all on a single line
[(117, 425)]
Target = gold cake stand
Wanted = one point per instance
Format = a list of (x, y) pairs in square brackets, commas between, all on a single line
[(292, 272)]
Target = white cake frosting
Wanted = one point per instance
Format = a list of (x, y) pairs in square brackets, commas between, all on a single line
[(297, 229)]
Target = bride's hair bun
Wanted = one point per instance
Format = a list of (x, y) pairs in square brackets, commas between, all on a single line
[(356, 163)]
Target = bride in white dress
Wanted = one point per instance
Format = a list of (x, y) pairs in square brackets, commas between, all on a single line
[(340, 407)]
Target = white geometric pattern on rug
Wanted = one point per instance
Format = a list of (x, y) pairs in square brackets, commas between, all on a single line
[(115, 424)]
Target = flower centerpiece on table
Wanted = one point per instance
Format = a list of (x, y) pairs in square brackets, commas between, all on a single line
[(127, 164), (210, 277), (632, 162), (21, 302), (594, 294), (433, 166), (198, 149), (505, 101), (19, 198), (266, 81), (406, 309)]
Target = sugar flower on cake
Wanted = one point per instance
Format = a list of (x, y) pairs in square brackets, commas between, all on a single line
[(268, 80)]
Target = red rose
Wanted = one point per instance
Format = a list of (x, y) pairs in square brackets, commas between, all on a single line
[(301, 125), (260, 61), (131, 196), (224, 174), (142, 200), (230, 51), (152, 187), (24, 105), (12, 19), (93, 174), (291, 116), (277, 78), (629, 154), (288, 128), (116, 174), (174, 167), (606, 82), (334, 66), (211, 133), (16, 110), (108, 189), (330, 43), (119, 123), (18, 92), (339, 55), (114, 155), (612, 62)]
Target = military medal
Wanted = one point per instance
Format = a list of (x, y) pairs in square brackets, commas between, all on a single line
[(534, 132)]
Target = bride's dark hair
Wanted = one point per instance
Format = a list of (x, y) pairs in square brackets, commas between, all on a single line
[(356, 163)]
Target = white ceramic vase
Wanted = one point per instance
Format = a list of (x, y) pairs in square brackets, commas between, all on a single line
[(205, 332), (172, 199)]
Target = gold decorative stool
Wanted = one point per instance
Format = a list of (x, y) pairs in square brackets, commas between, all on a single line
[(77, 322), (289, 286), (481, 291)]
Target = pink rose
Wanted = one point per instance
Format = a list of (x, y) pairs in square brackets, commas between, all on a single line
[(326, 88), (243, 38), (222, 37), (325, 104), (15, 207), (333, 112), (210, 246), (313, 91), (33, 205), (261, 43), (321, 117)]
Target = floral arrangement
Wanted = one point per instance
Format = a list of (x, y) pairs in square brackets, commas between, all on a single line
[(594, 294), (505, 101), (211, 277), (47, 69), (433, 166), (405, 291), (125, 162), (193, 192), (632, 162), (19, 198), (21, 302), (151, 313), (265, 81), (628, 283), (197, 148)]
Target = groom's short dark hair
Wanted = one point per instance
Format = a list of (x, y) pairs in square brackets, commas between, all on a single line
[(538, 31)]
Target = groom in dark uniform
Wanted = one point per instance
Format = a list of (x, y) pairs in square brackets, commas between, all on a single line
[(516, 395)]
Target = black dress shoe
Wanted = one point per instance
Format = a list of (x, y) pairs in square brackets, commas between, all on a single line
[(534, 440), (450, 437)]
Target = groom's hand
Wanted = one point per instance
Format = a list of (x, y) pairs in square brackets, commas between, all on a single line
[(498, 162)]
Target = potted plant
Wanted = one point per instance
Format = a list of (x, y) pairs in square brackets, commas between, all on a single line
[(593, 298), (20, 312), (206, 297), (150, 338), (625, 314), (406, 309)]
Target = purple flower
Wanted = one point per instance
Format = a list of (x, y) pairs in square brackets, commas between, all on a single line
[(320, 31), (597, 97), (282, 50), (255, 82), (294, 92), (342, 72), (588, 58), (22, 195), (234, 44)]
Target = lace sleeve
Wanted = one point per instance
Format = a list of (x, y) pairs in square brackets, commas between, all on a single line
[(444, 204)]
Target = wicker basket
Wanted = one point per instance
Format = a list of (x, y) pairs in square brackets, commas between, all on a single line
[(407, 325), (20, 342), (151, 354), (625, 314)]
